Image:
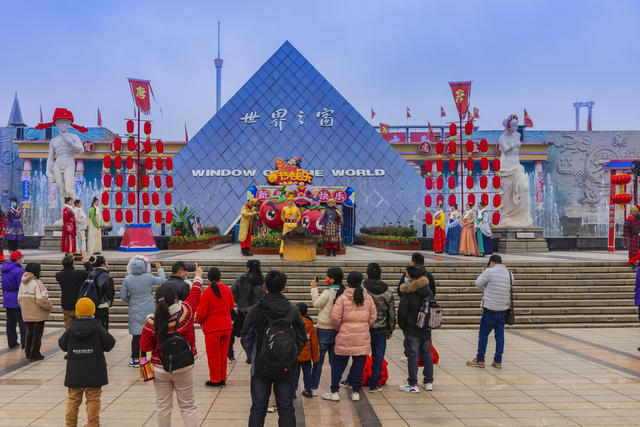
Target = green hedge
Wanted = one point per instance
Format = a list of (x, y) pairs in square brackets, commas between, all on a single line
[(193, 240), (389, 230), (390, 240)]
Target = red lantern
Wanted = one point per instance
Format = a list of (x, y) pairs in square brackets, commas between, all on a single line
[(440, 183), (145, 181), (428, 218), (158, 164), (106, 162), (128, 215), (129, 126), (129, 163), (484, 145), (131, 181), (469, 182), (119, 216), (145, 199), (428, 165), (452, 165), (117, 144), (131, 144), (428, 183), (148, 163), (496, 218), (158, 217), (119, 199), (147, 127), (484, 163), (452, 199), (439, 165), (484, 181), (471, 199), (168, 217), (131, 197), (117, 162), (106, 216), (453, 129), (452, 182), (470, 164), (496, 165), (439, 148), (427, 200), (468, 128), (155, 199), (106, 181), (147, 146), (496, 182), (146, 216), (169, 164), (469, 146), (497, 200), (621, 199), (169, 182), (621, 179), (484, 198), (119, 180), (157, 181), (167, 199), (159, 147), (105, 198), (452, 147)]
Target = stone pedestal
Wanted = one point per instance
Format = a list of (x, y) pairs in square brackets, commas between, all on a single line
[(52, 237), (520, 240)]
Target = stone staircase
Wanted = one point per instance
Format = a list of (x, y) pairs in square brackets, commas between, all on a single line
[(559, 294)]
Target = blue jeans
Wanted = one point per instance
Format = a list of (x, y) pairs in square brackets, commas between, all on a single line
[(414, 346), (488, 323), (378, 348), (307, 377), (260, 392), (326, 342), (355, 373)]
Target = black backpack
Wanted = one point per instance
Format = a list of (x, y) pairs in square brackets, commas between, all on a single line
[(89, 288), (278, 353), (176, 352)]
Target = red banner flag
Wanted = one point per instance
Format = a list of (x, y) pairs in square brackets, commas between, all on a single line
[(384, 131), (469, 117), (589, 122), (442, 113), (186, 135), (373, 113), (408, 113), (461, 92), (476, 113), (41, 119), (527, 119), (141, 92), (99, 118), (430, 133)]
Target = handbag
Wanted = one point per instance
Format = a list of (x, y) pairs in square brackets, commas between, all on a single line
[(511, 315), (146, 370)]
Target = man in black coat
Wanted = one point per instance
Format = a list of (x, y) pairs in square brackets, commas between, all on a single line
[(85, 343), (177, 280), (70, 281), (417, 260)]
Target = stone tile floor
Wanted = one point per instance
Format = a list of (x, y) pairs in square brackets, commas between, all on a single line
[(550, 377)]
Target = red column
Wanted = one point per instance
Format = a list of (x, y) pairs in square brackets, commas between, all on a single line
[(611, 246)]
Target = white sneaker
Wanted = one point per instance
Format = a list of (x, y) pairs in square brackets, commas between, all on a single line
[(410, 388), (403, 358), (271, 409), (428, 386), (355, 396), (331, 396), (314, 392)]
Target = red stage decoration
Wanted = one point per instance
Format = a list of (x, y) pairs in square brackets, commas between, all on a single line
[(428, 218), (158, 216), (453, 129), (106, 216), (497, 200), (131, 197), (158, 164), (128, 216), (155, 199), (168, 217), (119, 198), (469, 146), (129, 163), (452, 182), (168, 199), (439, 183), (146, 216), (496, 218), (439, 148), (452, 147), (427, 200), (461, 92), (469, 182), (439, 165), (169, 164), (131, 144), (484, 198), (131, 181), (428, 183), (621, 199), (470, 164), (119, 181), (452, 199), (496, 165), (129, 127), (106, 181), (117, 144), (484, 145), (169, 182), (119, 216), (468, 128), (484, 163), (147, 146), (471, 199), (496, 182), (145, 199), (484, 181), (159, 147), (621, 179), (452, 165), (148, 163), (105, 198), (141, 92), (117, 162), (157, 180), (145, 181), (106, 162), (147, 127), (428, 165)]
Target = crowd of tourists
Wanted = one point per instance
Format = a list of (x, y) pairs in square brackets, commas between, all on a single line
[(356, 317)]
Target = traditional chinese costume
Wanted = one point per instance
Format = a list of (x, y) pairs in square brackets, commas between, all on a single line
[(439, 237), (68, 230), (331, 220), (13, 232), (290, 216), (632, 232), (452, 246), (247, 213), (94, 232), (468, 243), (81, 225), (483, 233)]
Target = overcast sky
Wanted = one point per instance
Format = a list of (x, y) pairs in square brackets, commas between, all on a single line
[(538, 55)]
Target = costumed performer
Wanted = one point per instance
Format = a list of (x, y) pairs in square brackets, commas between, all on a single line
[(483, 230), (68, 227), (81, 227), (248, 211), (290, 216), (13, 232), (439, 237), (632, 232), (468, 244), (94, 234), (331, 219), (452, 246), (3, 226)]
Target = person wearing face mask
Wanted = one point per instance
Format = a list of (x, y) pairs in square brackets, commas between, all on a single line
[(178, 281), (13, 232)]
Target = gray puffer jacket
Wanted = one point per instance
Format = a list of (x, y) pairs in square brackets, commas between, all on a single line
[(385, 306), (496, 282), (137, 290)]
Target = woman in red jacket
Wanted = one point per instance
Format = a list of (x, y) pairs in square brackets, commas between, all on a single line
[(214, 315), (172, 314)]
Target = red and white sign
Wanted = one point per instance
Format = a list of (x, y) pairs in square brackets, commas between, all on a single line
[(419, 136), (339, 196), (397, 137), (262, 195), (324, 195), (88, 146), (424, 147)]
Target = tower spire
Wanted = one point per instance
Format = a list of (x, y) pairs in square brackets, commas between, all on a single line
[(15, 117), (218, 63)]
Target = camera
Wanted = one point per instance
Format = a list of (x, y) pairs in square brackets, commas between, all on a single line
[(190, 268)]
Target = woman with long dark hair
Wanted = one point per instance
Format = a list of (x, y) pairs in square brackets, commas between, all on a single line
[(36, 307), (247, 291), (214, 315), (172, 316)]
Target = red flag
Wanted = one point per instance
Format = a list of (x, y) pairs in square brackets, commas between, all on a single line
[(442, 113), (384, 131), (186, 135), (373, 113), (141, 92), (430, 133), (589, 122), (476, 113), (408, 113), (469, 117), (41, 119), (527, 119), (461, 92), (99, 118)]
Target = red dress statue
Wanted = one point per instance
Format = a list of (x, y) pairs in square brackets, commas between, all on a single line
[(68, 230)]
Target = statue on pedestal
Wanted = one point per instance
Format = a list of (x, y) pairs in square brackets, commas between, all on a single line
[(516, 203), (63, 147)]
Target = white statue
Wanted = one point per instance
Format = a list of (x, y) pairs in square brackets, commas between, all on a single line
[(516, 203), (63, 147)]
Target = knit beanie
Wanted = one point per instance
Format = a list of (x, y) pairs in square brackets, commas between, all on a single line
[(85, 307)]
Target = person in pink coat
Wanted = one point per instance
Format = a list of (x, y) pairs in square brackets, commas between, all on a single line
[(352, 314)]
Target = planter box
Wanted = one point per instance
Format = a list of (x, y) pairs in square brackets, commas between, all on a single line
[(265, 251), (414, 247), (190, 247), (323, 251)]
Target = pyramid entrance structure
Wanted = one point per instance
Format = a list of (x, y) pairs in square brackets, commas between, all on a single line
[(288, 109)]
